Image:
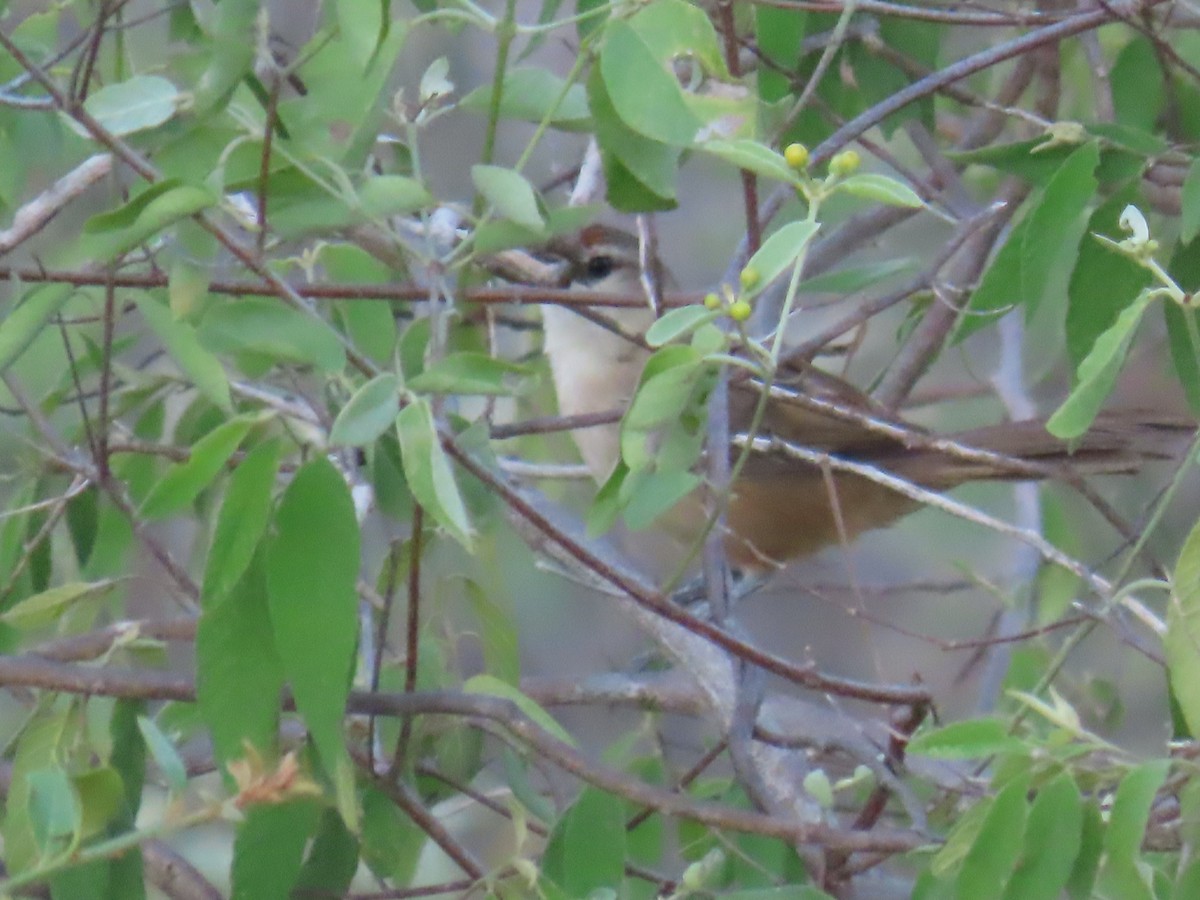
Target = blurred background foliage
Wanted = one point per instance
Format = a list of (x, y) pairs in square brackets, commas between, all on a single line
[(254, 369)]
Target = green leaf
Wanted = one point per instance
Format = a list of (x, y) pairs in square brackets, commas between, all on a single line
[(753, 157), (1052, 841), (510, 194), (45, 608), (853, 279), (232, 54), (1018, 158), (128, 756), (101, 800), (818, 786), (1098, 373), (1134, 142), (184, 481), (780, 35), (587, 848), (789, 892), (1189, 820), (1103, 283), (491, 686), (629, 194), (606, 505), (530, 95), (54, 811), (1091, 847), (467, 372), (1182, 640), (368, 413), (312, 574), (969, 739), (369, 324), (127, 214), (414, 344), (517, 776), (964, 830), (40, 742), (1187, 885), (25, 322), (641, 172), (999, 289), (1189, 221), (991, 857), (429, 474), (152, 217), (779, 252), (170, 764), (594, 14), (644, 94), (238, 673), (664, 426), (269, 849), (179, 338), (332, 858), (1122, 872), (674, 29), (1050, 241), (242, 520), (191, 273), (267, 327), (881, 189), (362, 26), (498, 634), (391, 841), (340, 118), (657, 492), (144, 101), (667, 384), (1131, 810), (1136, 82), (1183, 325), (678, 322), (382, 196)]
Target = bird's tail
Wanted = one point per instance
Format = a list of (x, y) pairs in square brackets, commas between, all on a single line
[(1118, 442)]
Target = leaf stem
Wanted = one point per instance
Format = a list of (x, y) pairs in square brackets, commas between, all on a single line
[(108, 849)]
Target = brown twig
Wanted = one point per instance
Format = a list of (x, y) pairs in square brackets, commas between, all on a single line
[(397, 291), (24, 671), (802, 675), (412, 634)]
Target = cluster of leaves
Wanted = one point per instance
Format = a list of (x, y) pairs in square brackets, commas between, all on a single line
[(154, 389)]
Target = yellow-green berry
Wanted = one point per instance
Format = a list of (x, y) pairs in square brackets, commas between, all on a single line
[(796, 156), (712, 301), (739, 310), (749, 278), (844, 163)]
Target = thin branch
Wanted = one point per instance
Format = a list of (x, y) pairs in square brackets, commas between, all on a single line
[(35, 215), (964, 68), (515, 295), (661, 606), (23, 671), (412, 635), (921, 13), (410, 804)]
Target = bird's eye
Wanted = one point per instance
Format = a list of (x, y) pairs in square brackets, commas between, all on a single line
[(599, 267)]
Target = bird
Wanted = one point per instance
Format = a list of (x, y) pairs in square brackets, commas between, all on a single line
[(782, 508)]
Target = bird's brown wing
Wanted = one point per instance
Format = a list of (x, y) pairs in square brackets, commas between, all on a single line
[(819, 411)]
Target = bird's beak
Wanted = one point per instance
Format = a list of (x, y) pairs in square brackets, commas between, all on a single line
[(535, 268)]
